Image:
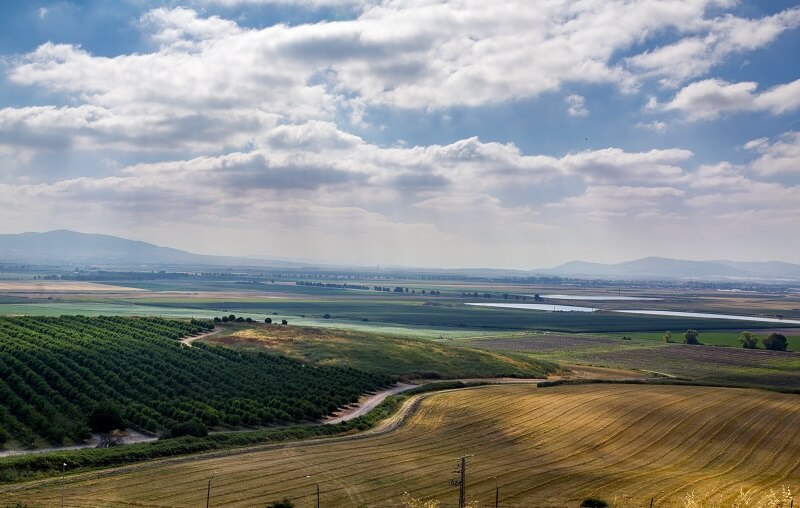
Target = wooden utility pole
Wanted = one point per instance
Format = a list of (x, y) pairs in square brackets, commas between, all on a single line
[(462, 488)]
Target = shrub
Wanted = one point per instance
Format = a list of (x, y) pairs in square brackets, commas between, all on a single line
[(193, 427), (285, 503), (775, 342), (106, 417), (748, 340), (593, 502), (690, 337)]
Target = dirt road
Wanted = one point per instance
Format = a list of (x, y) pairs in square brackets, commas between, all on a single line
[(367, 405)]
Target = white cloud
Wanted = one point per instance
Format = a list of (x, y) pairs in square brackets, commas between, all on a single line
[(712, 41), (712, 98), (655, 126), (209, 78), (576, 105), (782, 156)]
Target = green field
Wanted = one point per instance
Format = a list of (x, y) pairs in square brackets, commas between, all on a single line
[(388, 354), (546, 447), (712, 337), (709, 364)]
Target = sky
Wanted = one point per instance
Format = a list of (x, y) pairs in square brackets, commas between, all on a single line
[(437, 133)]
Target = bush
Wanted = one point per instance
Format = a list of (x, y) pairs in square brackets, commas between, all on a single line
[(193, 427), (285, 503), (775, 342), (326, 316), (106, 417), (748, 340), (690, 337), (593, 502)]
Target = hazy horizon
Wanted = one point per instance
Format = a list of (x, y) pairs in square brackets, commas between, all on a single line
[(424, 133)]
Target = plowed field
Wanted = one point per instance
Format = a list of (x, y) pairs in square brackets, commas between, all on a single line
[(546, 446)]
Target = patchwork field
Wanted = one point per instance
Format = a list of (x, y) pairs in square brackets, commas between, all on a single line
[(726, 365), (546, 447), (31, 286)]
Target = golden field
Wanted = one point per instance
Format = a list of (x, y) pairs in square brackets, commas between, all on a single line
[(546, 446)]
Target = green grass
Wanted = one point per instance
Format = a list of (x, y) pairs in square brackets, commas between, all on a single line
[(386, 354), (444, 314), (710, 337), (704, 363)]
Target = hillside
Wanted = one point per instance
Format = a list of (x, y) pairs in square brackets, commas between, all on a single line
[(71, 247), (665, 268)]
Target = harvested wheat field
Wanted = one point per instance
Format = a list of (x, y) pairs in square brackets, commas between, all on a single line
[(546, 446)]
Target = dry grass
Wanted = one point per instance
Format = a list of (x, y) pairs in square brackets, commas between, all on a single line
[(547, 447), (29, 286)]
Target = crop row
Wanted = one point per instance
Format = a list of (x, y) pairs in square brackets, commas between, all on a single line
[(57, 373), (544, 447)]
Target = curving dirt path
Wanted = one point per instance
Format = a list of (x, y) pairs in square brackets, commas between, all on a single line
[(367, 405), (191, 338)]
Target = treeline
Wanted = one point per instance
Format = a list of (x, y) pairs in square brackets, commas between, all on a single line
[(332, 285), (19, 468), (58, 374)]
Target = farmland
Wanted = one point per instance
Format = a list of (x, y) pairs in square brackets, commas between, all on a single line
[(547, 447), (393, 355), (725, 365), (59, 372)]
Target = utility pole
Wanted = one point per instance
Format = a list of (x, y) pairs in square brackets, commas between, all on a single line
[(208, 494), (462, 488)]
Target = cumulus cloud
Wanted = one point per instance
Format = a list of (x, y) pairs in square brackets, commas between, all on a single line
[(576, 105), (242, 127), (712, 98), (655, 126), (711, 43), (209, 78), (782, 156)]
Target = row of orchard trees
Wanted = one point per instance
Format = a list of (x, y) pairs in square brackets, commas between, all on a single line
[(60, 376)]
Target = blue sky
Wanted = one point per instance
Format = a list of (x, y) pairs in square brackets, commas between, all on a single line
[(432, 133)]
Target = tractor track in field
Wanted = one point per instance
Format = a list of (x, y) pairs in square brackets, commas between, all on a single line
[(390, 424)]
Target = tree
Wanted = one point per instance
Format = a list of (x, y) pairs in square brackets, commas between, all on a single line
[(667, 336), (268, 320), (106, 417), (232, 317), (224, 319), (326, 316), (775, 342), (690, 337), (748, 340), (193, 427), (217, 320), (284, 322)]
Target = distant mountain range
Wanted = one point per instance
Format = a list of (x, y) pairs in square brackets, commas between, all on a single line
[(665, 268), (69, 247), (63, 247)]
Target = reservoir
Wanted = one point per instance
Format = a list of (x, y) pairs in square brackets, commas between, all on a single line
[(535, 306), (710, 316), (598, 298), (668, 313)]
